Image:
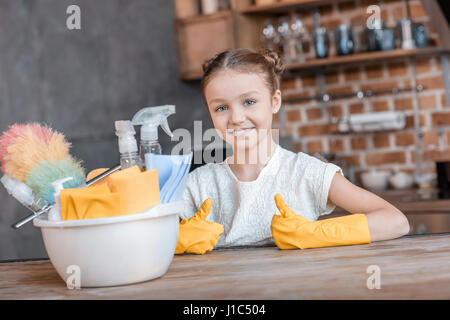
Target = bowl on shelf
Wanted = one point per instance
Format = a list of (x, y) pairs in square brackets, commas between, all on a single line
[(115, 250), (401, 180), (376, 180)]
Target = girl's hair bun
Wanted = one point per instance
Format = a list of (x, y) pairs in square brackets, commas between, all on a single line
[(276, 61), (206, 64)]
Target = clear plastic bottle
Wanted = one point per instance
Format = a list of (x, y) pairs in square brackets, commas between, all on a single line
[(128, 149), (149, 146)]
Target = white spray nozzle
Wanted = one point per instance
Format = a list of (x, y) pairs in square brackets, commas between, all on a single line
[(152, 117), (125, 132), (124, 127), (58, 185)]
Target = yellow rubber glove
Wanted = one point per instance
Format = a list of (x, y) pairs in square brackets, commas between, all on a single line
[(196, 235), (292, 231)]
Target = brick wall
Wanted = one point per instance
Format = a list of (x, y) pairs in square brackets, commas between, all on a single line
[(392, 150)]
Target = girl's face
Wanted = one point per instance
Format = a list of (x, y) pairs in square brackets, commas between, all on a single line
[(241, 108)]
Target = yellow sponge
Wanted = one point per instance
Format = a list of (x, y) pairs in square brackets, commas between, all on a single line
[(138, 190), (90, 203)]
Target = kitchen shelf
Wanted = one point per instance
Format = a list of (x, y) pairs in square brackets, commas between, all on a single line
[(362, 57), (286, 6), (205, 17), (202, 36)]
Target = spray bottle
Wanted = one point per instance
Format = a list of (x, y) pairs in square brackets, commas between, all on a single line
[(55, 211), (150, 118), (23, 193), (129, 156)]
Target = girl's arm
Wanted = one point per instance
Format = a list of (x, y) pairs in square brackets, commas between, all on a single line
[(385, 221)]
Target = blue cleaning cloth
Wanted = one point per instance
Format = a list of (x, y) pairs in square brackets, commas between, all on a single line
[(176, 189), (172, 174), (162, 163)]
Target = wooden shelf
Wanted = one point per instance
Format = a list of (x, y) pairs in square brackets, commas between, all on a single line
[(204, 17), (314, 64), (362, 57), (286, 6)]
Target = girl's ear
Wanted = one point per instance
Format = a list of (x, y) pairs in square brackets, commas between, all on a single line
[(276, 101)]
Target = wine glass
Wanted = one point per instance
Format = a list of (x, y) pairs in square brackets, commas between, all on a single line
[(269, 36)]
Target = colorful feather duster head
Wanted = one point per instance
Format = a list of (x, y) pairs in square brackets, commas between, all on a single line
[(37, 155)]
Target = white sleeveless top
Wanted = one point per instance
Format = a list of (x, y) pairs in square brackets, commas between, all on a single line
[(245, 208)]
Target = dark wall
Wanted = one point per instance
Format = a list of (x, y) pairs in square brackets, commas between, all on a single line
[(81, 81)]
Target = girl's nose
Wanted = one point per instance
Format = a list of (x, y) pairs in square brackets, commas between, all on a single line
[(237, 115)]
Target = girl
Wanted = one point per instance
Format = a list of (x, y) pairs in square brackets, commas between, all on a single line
[(241, 89)]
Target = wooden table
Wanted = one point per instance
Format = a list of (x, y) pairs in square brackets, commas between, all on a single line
[(411, 267)]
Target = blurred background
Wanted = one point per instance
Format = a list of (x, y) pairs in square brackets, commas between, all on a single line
[(366, 85)]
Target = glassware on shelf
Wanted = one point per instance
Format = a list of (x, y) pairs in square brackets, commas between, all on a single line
[(387, 39), (343, 39), (425, 176), (357, 32), (321, 41), (405, 30), (285, 33), (420, 36), (374, 36), (299, 34), (270, 36)]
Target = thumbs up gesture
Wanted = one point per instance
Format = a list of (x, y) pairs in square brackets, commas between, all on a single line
[(292, 231), (285, 227), (196, 235)]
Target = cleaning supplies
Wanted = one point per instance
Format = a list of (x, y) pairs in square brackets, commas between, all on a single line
[(150, 118), (37, 155), (196, 235), (172, 174), (97, 179), (55, 212), (129, 156), (90, 203), (23, 193), (292, 231)]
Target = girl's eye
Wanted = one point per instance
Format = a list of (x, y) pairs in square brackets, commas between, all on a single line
[(250, 102), (221, 108)]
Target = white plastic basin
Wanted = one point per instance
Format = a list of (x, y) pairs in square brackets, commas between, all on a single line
[(116, 250)]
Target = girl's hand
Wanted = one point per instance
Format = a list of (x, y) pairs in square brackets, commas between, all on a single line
[(292, 231), (196, 235)]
